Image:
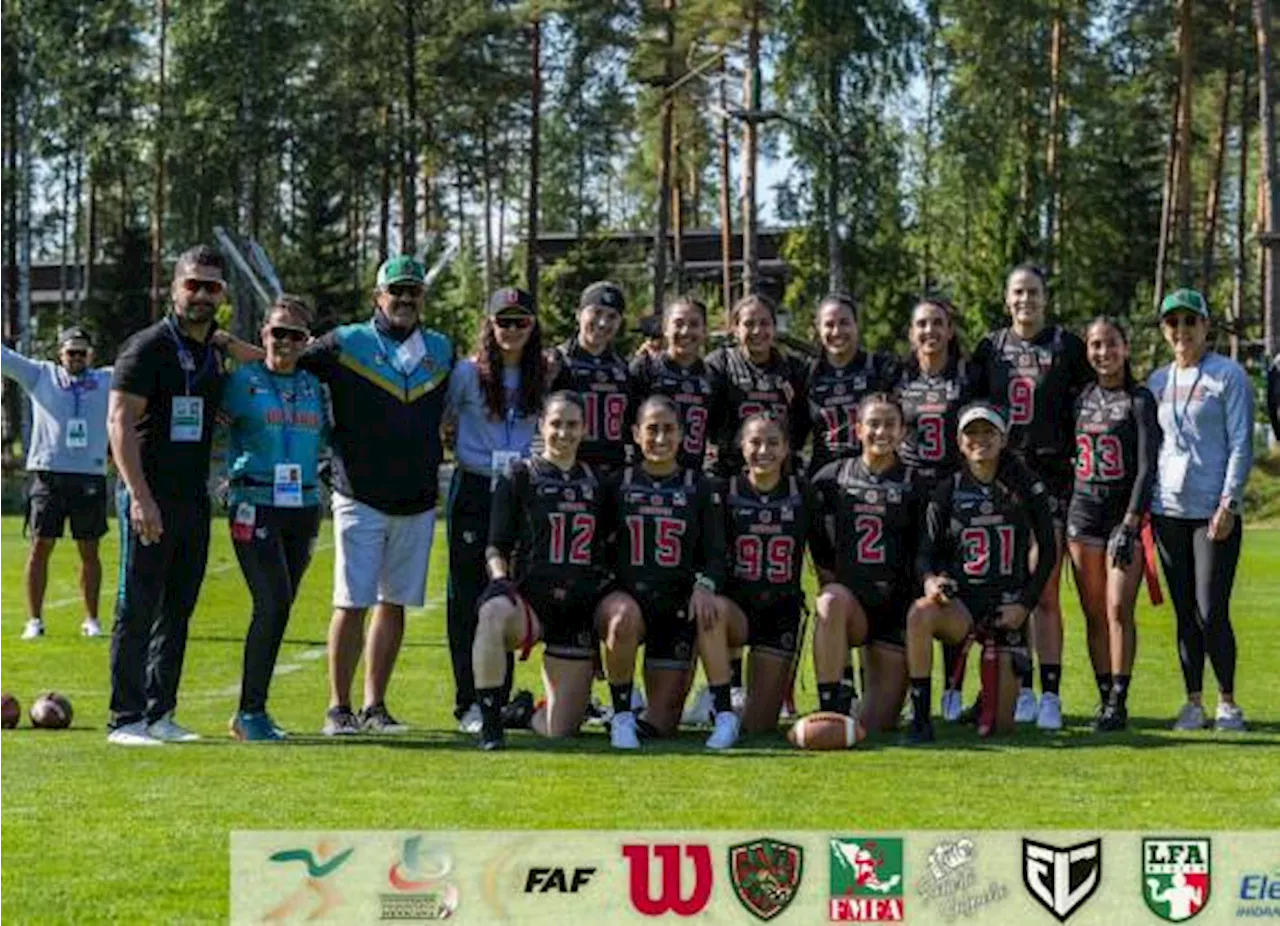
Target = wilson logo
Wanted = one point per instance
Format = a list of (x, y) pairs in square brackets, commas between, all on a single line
[(671, 897)]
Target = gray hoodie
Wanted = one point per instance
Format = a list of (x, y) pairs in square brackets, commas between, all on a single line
[(69, 431)]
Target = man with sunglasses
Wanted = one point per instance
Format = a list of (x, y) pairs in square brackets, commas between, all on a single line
[(167, 385), (67, 460), (387, 380)]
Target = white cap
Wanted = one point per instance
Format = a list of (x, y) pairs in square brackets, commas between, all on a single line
[(983, 413)]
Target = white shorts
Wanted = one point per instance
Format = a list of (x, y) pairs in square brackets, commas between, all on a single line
[(380, 557)]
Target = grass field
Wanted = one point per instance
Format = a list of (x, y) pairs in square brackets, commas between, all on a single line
[(93, 833)]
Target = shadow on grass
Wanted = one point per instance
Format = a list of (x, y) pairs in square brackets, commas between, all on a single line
[(239, 641)]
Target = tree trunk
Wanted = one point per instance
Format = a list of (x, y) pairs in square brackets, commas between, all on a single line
[(505, 156), (488, 209), (409, 177), (726, 210), (384, 188), (1166, 199), (664, 162), (677, 223), (1214, 195), (157, 192), (751, 97), (835, 255), (64, 236), (926, 179), (1052, 170), (1267, 152), (91, 232), (1239, 269), (535, 119), (1186, 271)]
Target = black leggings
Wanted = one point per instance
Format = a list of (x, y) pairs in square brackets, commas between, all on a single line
[(1200, 573), (273, 560)]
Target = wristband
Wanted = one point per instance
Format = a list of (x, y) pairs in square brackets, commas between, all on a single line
[(706, 583)]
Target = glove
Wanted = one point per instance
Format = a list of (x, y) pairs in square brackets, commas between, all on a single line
[(500, 588), (1120, 546)]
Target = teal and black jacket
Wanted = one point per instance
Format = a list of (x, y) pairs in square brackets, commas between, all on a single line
[(386, 421)]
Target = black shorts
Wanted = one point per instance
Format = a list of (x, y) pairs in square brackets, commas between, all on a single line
[(886, 606), (670, 637), (1094, 515), (567, 612), (984, 608), (773, 623), (53, 498), (1059, 478)]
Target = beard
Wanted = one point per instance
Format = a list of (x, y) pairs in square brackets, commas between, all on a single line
[(198, 312)]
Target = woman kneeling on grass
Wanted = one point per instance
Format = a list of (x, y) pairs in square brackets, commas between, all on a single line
[(669, 564), (767, 524), (974, 561), (546, 575)]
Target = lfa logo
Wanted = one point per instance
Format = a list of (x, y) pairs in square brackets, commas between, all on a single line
[(1061, 879), (671, 897), (1175, 877)]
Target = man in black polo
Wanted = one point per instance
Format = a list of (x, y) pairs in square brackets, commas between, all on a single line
[(166, 388)]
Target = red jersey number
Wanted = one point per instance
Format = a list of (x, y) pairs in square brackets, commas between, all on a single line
[(977, 545), (841, 425), (580, 532), (1022, 399), (931, 438), (1099, 457), (668, 542), (753, 557), (695, 429), (870, 530), (605, 414)]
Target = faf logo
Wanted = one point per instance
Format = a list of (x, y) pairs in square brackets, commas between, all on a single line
[(866, 880), (320, 865), (671, 899), (417, 877), (765, 874), (1061, 879), (1175, 877)]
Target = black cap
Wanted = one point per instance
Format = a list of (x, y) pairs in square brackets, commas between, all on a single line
[(511, 298), (606, 294), (74, 333), (650, 326)]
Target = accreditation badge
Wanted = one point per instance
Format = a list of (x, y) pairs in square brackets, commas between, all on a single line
[(186, 422), (77, 433), (286, 488)]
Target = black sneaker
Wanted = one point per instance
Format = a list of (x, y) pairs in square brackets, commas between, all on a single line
[(492, 737), (377, 719), (1113, 719), (920, 733), (339, 721), (518, 712)]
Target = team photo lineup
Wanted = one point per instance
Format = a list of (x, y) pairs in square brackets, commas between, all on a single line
[(640, 518)]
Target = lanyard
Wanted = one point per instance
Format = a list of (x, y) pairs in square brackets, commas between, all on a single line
[(1179, 424), (76, 385), (286, 411), (185, 360)]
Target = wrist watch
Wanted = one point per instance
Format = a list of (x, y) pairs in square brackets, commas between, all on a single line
[(1231, 505)]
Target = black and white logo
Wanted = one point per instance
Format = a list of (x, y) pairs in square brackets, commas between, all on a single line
[(1061, 879)]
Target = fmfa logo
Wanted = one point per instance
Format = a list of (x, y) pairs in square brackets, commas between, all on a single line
[(1175, 877), (1061, 879), (671, 898), (866, 880)]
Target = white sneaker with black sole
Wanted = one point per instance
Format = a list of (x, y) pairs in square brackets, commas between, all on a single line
[(133, 734), (34, 629)]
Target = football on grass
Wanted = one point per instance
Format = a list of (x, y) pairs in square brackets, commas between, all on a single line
[(826, 730), (12, 711), (51, 711)]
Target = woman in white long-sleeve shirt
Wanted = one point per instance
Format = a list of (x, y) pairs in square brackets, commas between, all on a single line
[(1206, 416)]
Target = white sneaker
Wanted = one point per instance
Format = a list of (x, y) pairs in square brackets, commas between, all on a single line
[(622, 731), (133, 734), (90, 628), (699, 711), (1229, 717), (1049, 717), (33, 630), (738, 700), (638, 703), (1025, 710), (470, 721), (725, 732), (952, 705), (167, 730), (1191, 717)]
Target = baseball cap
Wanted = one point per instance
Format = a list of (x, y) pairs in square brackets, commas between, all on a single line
[(981, 411), (74, 333), (402, 269), (511, 299), (1184, 300), (606, 294)]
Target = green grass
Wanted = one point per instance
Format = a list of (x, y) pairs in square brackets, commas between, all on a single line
[(93, 833)]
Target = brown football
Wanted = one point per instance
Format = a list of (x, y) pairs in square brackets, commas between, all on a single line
[(12, 711), (826, 730), (51, 711)]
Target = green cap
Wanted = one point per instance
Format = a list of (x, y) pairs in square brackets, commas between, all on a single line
[(402, 269), (1184, 300)]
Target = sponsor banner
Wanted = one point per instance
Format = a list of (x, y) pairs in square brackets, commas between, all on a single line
[(848, 875)]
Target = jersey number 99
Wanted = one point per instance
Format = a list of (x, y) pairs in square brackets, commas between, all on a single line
[(754, 556)]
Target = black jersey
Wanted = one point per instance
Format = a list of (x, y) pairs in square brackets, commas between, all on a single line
[(1036, 382), (980, 535), (668, 530), (866, 528), (689, 387), (833, 394), (1117, 439), (766, 535), (931, 406), (740, 388), (550, 525), (604, 383)]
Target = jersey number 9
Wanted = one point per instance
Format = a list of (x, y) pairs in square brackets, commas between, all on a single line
[(1022, 399)]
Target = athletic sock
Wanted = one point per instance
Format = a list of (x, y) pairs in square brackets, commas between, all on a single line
[(847, 677), (722, 698), (1025, 677), (950, 657), (1120, 690), (834, 696), (921, 698), (621, 695), (490, 701), (735, 672), (1104, 686), (1050, 677)]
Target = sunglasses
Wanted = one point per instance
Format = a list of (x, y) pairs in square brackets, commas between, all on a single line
[(213, 287), (518, 322), (409, 289), (281, 333), (1181, 321), (76, 352)]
